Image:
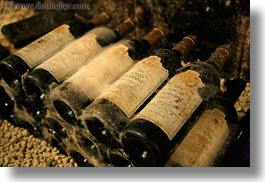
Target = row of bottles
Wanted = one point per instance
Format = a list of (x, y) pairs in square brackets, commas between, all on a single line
[(28, 57), (130, 92), (108, 101), (67, 61), (13, 67), (45, 48), (156, 127), (103, 71), (209, 135)]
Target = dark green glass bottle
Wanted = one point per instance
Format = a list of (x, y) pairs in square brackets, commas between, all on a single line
[(27, 30), (207, 140), (70, 59), (110, 112), (148, 138), (86, 84)]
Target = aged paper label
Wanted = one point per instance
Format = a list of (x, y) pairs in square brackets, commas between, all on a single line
[(135, 86), (72, 57), (102, 71), (174, 103), (203, 142), (44, 47)]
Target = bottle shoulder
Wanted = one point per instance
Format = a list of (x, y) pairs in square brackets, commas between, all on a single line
[(136, 48), (227, 107), (78, 28), (169, 59), (104, 35), (208, 73)]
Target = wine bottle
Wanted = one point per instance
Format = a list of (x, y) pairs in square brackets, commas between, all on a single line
[(118, 158), (12, 67), (28, 57), (87, 144), (54, 133), (207, 139), (110, 112), (67, 61), (80, 159), (92, 79), (238, 153), (149, 136), (3, 52), (14, 112), (25, 31), (8, 101), (6, 104), (58, 130)]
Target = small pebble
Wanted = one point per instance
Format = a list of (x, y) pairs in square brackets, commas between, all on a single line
[(13, 140), (23, 143), (43, 143), (35, 163), (48, 149), (56, 158), (25, 133), (6, 160), (65, 161), (29, 145), (28, 164), (7, 135), (59, 161)]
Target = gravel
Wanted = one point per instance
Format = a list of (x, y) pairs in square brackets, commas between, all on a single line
[(18, 148)]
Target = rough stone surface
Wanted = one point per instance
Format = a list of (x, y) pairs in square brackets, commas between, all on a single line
[(24, 150)]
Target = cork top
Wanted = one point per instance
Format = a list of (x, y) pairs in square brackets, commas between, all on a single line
[(186, 45), (220, 56), (101, 19), (125, 27), (155, 35)]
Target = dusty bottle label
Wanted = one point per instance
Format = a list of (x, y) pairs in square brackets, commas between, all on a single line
[(174, 103), (135, 86), (102, 71), (44, 47), (203, 142), (72, 57)]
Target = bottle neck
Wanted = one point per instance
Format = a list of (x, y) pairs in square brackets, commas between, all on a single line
[(102, 19), (124, 28), (79, 26), (226, 101), (154, 36), (220, 56), (185, 46), (234, 89)]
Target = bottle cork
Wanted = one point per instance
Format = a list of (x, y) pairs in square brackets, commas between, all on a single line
[(220, 56), (185, 46), (125, 27), (155, 35), (102, 19)]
